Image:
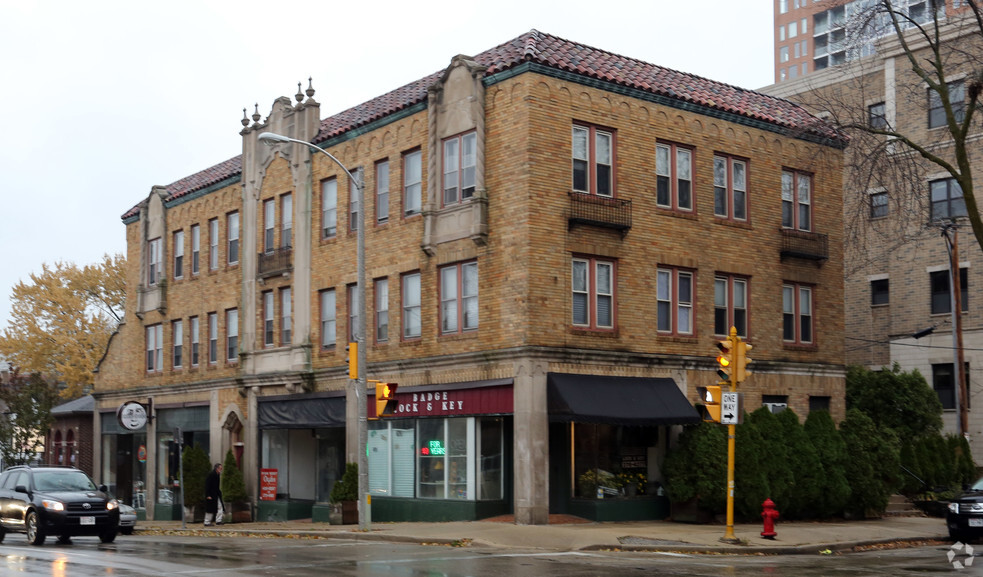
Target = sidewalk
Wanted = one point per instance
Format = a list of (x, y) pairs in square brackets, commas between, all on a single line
[(793, 538)]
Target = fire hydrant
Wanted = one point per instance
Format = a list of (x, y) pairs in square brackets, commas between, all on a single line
[(769, 514)]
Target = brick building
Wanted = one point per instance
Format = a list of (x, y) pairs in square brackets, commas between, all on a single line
[(557, 238), (69, 440), (897, 262)]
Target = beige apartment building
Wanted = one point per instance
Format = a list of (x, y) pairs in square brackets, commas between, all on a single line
[(556, 238)]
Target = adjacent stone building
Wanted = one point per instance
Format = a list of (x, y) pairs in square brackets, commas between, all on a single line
[(556, 238)]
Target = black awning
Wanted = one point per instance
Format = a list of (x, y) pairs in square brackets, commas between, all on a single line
[(302, 412), (617, 400)]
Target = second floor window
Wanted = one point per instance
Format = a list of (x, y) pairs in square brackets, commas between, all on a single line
[(674, 177), (382, 191), (460, 154), (459, 298), (353, 312), (269, 225), (195, 248), (796, 200), (593, 293), (328, 319), (155, 348), (179, 254), (212, 338), (942, 295), (674, 296), (193, 322), (797, 314), (286, 318), (411, 306), (880, 292), (329, 208), (947, 199), (286, 220), (268, 319), (233, 231), (155, 251), (412, 182), (593, 161), (730, 305), (729, 187), (232, 335), (382, 310), (177, 332)]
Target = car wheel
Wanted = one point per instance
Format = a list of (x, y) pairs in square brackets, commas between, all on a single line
[(126, 530), (108, 537), (35, 534)]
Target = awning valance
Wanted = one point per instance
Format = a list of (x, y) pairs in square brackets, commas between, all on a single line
[(302, 412), (617, 400)]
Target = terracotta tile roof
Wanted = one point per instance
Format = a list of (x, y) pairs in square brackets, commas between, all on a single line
[(562, 55)]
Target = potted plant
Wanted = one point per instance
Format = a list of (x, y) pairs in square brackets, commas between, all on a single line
[(234, 490), (344, 494)]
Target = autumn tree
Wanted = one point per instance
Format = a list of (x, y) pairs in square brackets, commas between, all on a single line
[(27, 403), (61, 321)]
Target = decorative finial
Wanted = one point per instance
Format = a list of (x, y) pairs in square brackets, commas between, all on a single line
[(310, 87), (256, 115), (245, 119), (300, 95)]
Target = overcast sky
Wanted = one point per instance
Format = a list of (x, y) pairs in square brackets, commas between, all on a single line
[(102, 100)]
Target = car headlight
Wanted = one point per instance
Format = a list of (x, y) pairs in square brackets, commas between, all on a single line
[(954, 508), (52, 505), (112, 504)]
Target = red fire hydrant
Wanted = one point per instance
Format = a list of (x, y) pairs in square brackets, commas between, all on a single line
[(769, 514)]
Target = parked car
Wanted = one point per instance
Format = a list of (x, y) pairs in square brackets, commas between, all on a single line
[(965, 515), (61, 501), (127, 519)]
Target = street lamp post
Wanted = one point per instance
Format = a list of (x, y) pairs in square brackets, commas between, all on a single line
[(361, 391), (958, 362)]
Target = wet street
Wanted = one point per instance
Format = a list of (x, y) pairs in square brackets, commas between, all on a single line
[(156, 555)]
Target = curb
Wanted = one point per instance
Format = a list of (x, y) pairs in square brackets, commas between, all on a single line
[(811, 549)]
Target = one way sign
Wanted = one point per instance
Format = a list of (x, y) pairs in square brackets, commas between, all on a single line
[(731, 405)]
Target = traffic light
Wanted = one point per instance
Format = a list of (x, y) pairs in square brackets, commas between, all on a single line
[(710, 395), (725, 360), (385, 399), (352, 349), (741, 371)]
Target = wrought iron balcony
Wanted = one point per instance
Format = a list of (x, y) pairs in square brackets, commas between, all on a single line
[(804, 245), (274, 262), (593, 210)]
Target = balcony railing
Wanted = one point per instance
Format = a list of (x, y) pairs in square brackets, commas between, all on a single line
[(589, 209), (274, 262), (805, 245)]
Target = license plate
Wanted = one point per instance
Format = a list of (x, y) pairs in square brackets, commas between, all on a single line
[(92, 520), (976, 522)]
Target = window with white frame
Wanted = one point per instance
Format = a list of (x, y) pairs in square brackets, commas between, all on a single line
[(411, 306), (155, 252), (593, 160), (155, 348), (353, 312), (729, 187), (286, 319), (212, 338), (674, 177), (232, 221), (459, 298), (796, 200), (213, 244), (797, 325), (268, 316), (674, 297), (459, 167), (232, 335), (286, 220), (177, 334), (592, 284), (269, 225), (730, 308), (382, 191), (195, 249), (381, 310), (194, 328), (353, 207), (412, 182), (329, 208), (329, 323), (178, 242)]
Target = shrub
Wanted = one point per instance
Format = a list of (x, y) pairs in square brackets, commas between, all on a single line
[(697, 467), (751, 483), (196, 469), (805, 467), (872, 470), (902, 401), (346, 488), (832, 453), (232, 484)]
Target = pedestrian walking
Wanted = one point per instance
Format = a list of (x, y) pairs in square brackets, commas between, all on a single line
[(214, 507)]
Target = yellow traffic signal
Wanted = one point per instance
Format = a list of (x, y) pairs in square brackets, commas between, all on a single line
[(725, 360), (352, 360), (710, 396), (386, 404), (741, 371)]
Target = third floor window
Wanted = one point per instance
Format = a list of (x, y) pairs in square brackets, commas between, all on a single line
[(593, 160), (796, 200), (674, 177), (729, 187), (460, 154)]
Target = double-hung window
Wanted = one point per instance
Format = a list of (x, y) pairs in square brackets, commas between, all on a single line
[(412, 182), (730, 305), (880, 292), (460, 155), (796, 200), (729, 187), (177, 333), (947, 199), (674, 177), (353, 206), (268, 316), (232, 335), (286, 220), (382, 191), (155, 255), (459, 298), (936, 109), (353, 311), (193, 322), (411, 306), (269, 225), (213, 244), (797, 322), (382, 310), (195, 249), (212, 338), (941, 293), (674, 298), (155, 348), (593, 160), (329, 208), (232, 221), (328, 319), (286, 312), (179, 254), (877, 116), (592, 287), (878, 204)]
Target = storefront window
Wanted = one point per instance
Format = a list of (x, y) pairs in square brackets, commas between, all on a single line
[(192, 424), (330, 461), (490, 467), (392, 457), (612, 461), (275, 457), (124, 463)]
